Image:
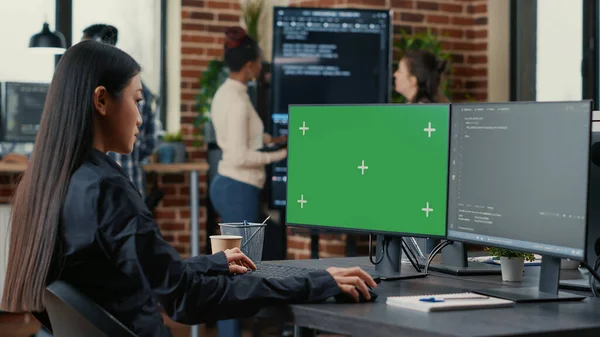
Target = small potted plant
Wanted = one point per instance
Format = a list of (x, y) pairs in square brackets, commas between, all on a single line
[(172, 149), (511, 262)]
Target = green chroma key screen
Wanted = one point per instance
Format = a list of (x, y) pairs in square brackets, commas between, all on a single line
[(374, 168)]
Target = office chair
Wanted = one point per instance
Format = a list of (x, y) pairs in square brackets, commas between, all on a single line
[(72, 314)]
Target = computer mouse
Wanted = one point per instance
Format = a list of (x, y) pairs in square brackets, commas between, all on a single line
[(347, 298)]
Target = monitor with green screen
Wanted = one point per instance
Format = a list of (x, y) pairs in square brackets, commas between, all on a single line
[(369, 168)]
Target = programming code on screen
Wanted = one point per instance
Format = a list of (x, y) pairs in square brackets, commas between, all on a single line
[(330, 56), (22, 113), (518, 175), (369, 168), (327, 56)]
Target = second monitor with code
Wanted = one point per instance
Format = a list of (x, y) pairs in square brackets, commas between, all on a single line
[(369, 168)]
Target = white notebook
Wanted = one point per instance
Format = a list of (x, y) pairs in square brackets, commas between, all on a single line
[(447, 302)]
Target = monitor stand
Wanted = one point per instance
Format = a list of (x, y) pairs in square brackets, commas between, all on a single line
[(390, 267), (546, 292), (455, 262)]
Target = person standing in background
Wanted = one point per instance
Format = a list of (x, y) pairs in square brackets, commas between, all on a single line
[(148, 136), (419, 77), (235, 190)]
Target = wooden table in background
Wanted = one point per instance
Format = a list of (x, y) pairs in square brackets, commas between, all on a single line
[(193, 169), (12, 167)]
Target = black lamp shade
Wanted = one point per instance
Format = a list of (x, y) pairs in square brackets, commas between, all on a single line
[(53, 42)]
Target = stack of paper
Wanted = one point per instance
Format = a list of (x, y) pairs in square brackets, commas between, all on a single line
[(447, 302)]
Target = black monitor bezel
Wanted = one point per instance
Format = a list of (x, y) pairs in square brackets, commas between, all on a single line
[(345, 230), (534, 251)]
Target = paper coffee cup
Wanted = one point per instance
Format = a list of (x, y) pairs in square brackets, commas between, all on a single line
[(220, 243)]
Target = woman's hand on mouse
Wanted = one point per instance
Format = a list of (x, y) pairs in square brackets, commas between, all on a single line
[(353, 280), (239, 263)]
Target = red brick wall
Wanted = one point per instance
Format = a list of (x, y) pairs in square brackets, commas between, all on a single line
[(202, 25)]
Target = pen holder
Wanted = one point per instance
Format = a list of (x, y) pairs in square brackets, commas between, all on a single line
[(253, 236)]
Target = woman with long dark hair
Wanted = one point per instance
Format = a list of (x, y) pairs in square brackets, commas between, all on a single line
[(419, 77), (78, 218)]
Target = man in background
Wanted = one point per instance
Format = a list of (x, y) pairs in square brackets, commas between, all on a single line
[(147, 138)]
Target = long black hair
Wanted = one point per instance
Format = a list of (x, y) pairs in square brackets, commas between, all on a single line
[(428, 70), (64, 140)]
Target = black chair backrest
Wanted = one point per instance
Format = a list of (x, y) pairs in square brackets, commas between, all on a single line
[(72, 314)]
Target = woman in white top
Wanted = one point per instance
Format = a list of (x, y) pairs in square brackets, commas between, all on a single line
[(235, 190)]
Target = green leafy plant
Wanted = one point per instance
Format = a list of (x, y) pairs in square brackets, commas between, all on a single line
[(426, 41), (501, 252), (251, 10), (215, 74), (173, 137)]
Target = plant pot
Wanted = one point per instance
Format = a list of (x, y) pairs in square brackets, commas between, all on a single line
[(512, 268), (179, 148), (166, 154)]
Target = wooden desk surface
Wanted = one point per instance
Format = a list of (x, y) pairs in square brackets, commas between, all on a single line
[(176, 168), (12, 167), (158, 168), (579, 318)]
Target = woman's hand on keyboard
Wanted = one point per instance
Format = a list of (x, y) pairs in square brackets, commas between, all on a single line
[(239, 263), (353, 280)]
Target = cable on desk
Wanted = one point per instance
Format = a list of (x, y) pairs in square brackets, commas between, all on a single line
[(411, 256), (383, 250), (594, 276), (435, 251)]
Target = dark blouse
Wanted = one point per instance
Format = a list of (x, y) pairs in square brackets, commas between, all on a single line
[(112, 251)]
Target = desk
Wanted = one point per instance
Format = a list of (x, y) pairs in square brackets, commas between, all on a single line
[(193, 169), (378, 319), (12, 167)]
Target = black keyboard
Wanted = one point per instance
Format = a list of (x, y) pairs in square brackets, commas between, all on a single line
[(268, 270)]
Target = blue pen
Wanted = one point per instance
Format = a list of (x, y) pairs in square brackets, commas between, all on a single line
[(434, 300), (430, 299)]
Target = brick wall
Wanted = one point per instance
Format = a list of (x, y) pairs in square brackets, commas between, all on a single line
[(203, 23)]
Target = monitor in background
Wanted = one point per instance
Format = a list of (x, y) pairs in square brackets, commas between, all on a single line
[(519, 180), (315, 61), (379, 169), (23, 104), (279, 169)]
